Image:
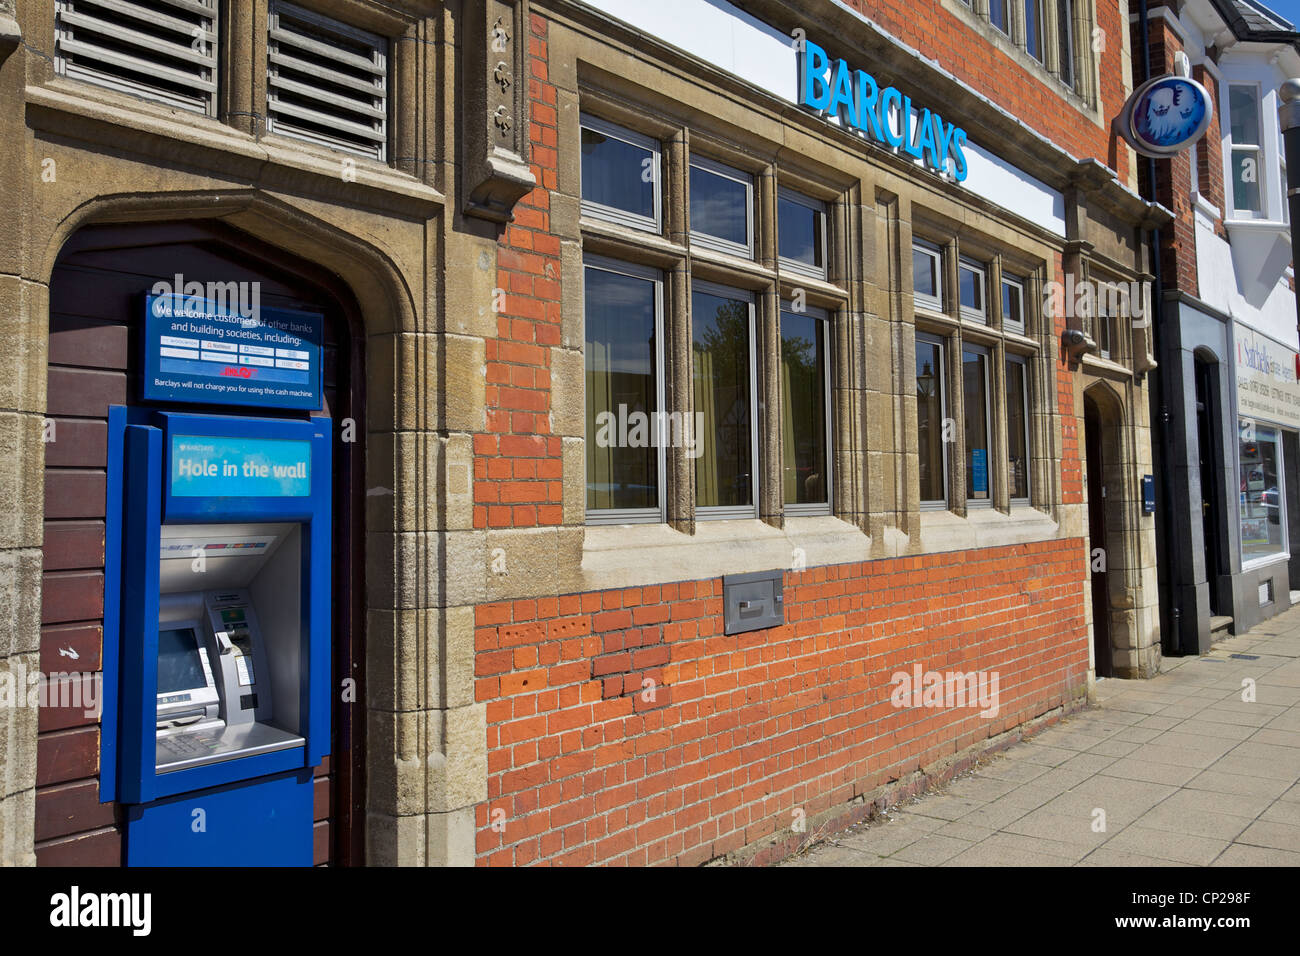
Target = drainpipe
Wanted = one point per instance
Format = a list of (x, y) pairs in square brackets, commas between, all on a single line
[(1171, 616)]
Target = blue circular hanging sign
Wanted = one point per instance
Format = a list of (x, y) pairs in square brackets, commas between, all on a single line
[(1166, 115)]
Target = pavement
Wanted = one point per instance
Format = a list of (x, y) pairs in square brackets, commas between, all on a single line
[(1179, 770)]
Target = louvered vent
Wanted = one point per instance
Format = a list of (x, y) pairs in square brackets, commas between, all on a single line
[(326, 82), (161, 49)]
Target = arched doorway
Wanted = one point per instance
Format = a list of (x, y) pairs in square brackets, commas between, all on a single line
[(1209, 442), (1109, 564), (96, 292)]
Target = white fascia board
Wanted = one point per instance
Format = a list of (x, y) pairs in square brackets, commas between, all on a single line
[(732, 40)]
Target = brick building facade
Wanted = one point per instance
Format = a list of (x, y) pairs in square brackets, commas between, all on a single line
[(535, 617)]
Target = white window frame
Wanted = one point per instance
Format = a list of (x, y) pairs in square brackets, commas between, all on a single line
[(608, 516), (934, 303), (1271, 195), (1014, 325), (989, 412), (1041, 56), (1005, 28), (935, 504), (808, 510), (716, 243), (980, 270), (723, 512), (595, 210), (794, 265), (1065, 28), (1023, 362)]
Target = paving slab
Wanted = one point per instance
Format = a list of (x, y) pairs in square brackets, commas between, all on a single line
[(1177, 770)]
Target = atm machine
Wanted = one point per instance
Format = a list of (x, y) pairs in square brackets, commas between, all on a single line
[(216, 635)]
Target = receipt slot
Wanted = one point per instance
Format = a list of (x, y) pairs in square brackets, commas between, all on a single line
[(216, 635)]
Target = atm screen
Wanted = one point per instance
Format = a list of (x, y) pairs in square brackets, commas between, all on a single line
[(179, 665)]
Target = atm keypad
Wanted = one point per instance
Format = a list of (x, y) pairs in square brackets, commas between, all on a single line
[(185, 746)]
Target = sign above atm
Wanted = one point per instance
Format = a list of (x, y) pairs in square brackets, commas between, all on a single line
[(212, 352), (211, 467)]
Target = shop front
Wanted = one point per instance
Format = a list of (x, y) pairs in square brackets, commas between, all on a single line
[(1268, 416)]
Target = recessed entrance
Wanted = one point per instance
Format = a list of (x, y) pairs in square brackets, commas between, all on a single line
[(97, 292)]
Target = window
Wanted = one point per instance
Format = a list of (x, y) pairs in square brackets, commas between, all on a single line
[(805, 410), (1263, 494), (163, 50), (975, 390), (1244, 118), (970, 289), (932, 463), (1034, 29), (620, 175), (998, 15), (1013, 304), (1103, 321), (801, 234), (722, 202), (326, 82), (1065, 40), (1017, 428), (927, 276), (624, 383), (722, 366), (706, 438)]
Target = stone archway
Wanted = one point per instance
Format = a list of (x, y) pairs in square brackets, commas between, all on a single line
[(401, 372), (1113, 517)]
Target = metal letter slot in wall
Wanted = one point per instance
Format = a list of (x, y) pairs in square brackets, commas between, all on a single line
[(752, 602)]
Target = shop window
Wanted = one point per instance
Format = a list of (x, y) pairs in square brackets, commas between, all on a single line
[(624, 383), (927, 276), (975, 390), (1017, 428), (932, 463), (164, 50), (1247, 150), (970, 289), (1013, 304), (801, 234), (1034, 29), (722, 203), (620, 175), (1263, 493), (326, 82), (805, 410), (723, 373)]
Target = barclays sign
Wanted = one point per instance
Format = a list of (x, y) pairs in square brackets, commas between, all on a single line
[(884, 115)]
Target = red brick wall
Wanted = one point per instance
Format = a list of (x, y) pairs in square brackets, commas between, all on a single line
[(1173, 177), (745, 730), (1209, 154), (518, 466), (937, 34)]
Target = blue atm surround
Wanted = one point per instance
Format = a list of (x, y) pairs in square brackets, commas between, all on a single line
[(271, 792)]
